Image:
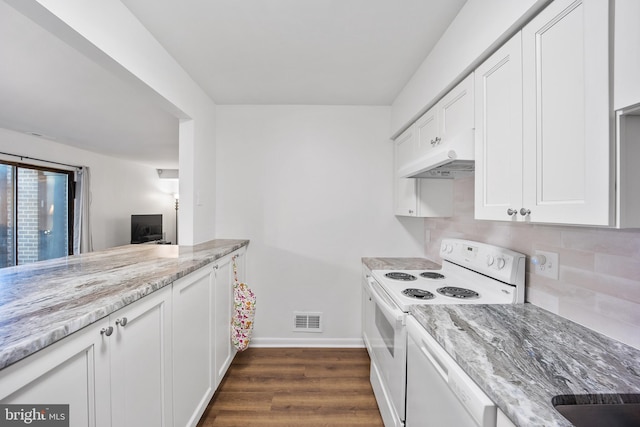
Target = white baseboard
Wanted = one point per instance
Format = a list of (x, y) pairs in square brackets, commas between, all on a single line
[(308, 342)]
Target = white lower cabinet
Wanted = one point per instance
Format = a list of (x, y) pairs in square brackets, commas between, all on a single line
[(193, 346), (155, 362), (115, 372), (73, 371), (223, 273), (202, 349), (140, 350)]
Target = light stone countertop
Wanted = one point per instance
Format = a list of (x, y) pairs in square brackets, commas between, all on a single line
[(400, 264), (43, 302), (522, 355)]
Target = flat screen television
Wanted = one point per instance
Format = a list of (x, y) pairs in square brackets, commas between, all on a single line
[(146, 228)]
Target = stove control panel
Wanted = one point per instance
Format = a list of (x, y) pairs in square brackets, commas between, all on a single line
[(493, 261)]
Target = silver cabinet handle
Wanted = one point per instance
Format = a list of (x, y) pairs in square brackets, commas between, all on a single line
[(525, 212), (106, 331), (512, 212), (121, 322)]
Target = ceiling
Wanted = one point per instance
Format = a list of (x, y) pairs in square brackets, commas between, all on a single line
[(324, 52), (327, 52)]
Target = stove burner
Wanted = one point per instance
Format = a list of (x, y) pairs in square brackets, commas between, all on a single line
[(397, 275), (454, 292), (432, 275), (418, 293)]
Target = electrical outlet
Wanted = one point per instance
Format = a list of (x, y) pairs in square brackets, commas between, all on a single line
[(546, 264)]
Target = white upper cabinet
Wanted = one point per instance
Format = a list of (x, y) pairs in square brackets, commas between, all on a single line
[(455, 117), (627, 54), (427, 130), (419, 197), (442, 134), (567, 175), (498, 133), (405, 148), (543, 134)]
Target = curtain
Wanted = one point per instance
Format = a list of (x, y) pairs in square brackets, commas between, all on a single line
[(82, 237)]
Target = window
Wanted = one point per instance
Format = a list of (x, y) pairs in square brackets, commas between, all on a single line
[(36, 213)]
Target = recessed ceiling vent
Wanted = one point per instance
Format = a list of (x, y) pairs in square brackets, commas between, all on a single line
[(307, 322)]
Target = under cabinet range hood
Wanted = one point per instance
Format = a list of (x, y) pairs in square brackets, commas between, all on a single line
[(450, 159), (449, 169)]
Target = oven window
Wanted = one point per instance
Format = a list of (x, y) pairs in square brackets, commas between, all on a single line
[(386, 330)]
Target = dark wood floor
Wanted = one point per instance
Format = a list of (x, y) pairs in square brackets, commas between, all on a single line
[(296, 387)]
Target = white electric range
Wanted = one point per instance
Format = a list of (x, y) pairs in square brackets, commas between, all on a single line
[(471, 273)]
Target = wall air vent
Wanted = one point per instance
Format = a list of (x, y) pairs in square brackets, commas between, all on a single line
[(307, 322)]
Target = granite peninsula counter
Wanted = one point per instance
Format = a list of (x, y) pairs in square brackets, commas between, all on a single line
[(42, 303), (522, 356)]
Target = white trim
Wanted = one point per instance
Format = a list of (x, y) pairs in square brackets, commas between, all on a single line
[(308, 342)]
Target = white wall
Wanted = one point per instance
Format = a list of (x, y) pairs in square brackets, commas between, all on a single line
[(311, 187), (108, 33), (119, 187), (478, 29)]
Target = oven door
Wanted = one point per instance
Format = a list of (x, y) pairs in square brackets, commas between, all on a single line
[(387, 337)]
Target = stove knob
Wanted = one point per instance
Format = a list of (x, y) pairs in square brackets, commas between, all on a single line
[(490, 260), (501, 263), (448, 249)]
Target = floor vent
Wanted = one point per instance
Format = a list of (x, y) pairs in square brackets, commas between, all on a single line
[(307, 322)]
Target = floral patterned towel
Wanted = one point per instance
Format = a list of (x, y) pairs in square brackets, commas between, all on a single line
[(244, 310)]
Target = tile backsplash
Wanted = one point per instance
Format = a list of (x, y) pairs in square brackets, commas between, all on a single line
[(599, 283)]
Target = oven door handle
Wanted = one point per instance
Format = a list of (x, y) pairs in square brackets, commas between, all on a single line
[(385, 303)]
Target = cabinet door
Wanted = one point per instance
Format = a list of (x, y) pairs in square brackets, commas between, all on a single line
[(627, 54), (498, 133), (224, 350), (141, 362), (193, 376), (427, 132), (456, 118), (404, 189), (567, 141), (405, 148), (368, 313), (405, 196), (73, 371)]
